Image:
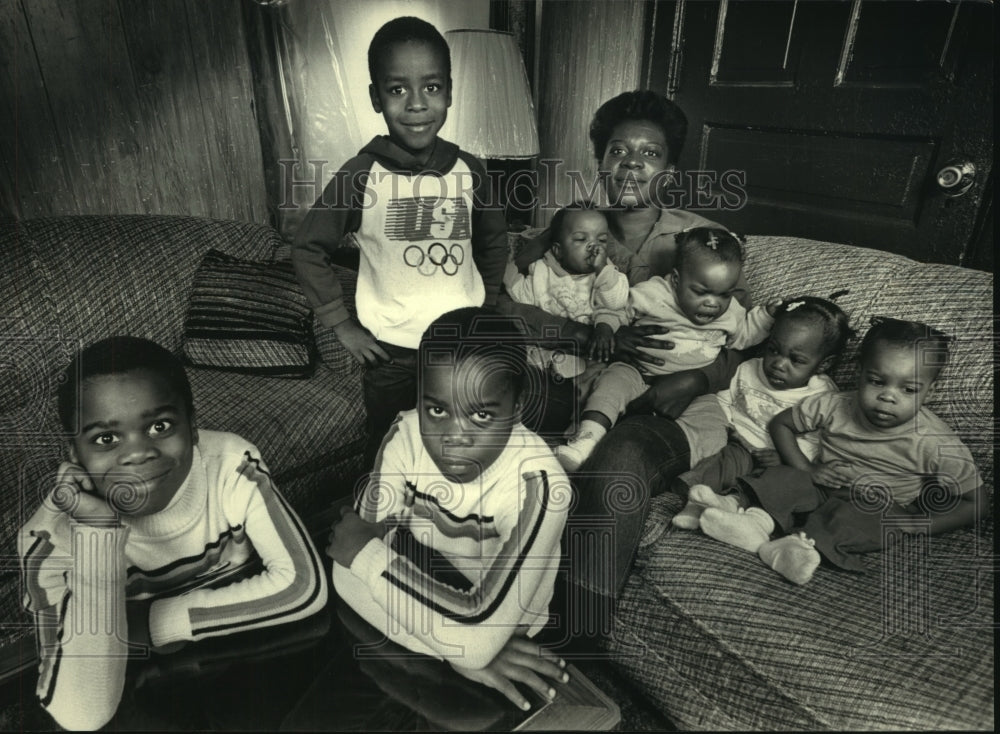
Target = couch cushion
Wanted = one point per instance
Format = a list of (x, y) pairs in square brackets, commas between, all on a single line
[(298, 425), (331, 351), (248, 317), (720, 641), (30, 441), (137, 272), (781, 267)]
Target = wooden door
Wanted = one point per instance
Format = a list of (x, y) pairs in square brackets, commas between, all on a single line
[(841, 114)]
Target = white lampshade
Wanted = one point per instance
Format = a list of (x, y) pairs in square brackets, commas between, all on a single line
[(491, 113)]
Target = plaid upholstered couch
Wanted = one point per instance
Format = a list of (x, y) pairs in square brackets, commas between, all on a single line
[(713, 637), (68, 281), (720, 641)]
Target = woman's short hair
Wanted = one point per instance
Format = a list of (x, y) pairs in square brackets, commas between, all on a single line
[(641, 105)]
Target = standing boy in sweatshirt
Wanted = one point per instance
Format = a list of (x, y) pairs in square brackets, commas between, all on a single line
[(415, 206)]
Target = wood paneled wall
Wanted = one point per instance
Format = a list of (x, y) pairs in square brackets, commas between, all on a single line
[(127, 106), (591, 52)]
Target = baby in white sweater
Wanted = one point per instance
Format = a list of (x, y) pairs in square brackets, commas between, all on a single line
[(574, 280)]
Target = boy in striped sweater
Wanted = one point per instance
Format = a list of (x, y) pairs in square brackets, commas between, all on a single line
[(149, 527), (452, 548)]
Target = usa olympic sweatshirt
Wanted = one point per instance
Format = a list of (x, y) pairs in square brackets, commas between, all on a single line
[(431, 237)]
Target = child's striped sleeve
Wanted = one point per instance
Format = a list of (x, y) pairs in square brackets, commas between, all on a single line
[(471, 625), (292, 585), (74, 581)]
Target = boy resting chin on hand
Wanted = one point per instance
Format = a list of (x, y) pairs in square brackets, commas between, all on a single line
[(150, 511)]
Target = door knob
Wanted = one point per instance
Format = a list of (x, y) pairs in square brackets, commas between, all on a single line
[(956, 177)]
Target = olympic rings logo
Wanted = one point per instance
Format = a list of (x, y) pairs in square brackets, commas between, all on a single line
[(437, 256)]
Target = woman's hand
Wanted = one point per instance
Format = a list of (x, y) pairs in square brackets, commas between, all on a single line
[(670, 395), (835, 473), (360, 343), (523, 661), (350, 534), (628, 339), (601, 344)]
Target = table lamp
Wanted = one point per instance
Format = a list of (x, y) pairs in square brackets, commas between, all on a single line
[(491, 115)]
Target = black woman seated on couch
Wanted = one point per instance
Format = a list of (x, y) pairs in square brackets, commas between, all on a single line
[(637, 138)]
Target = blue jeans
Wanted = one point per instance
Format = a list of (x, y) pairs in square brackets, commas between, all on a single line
[(635, 462)]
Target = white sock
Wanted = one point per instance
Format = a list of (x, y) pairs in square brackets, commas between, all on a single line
[(701, 496), (794, 556), (576, 451), (589, 429), (748, 529)]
